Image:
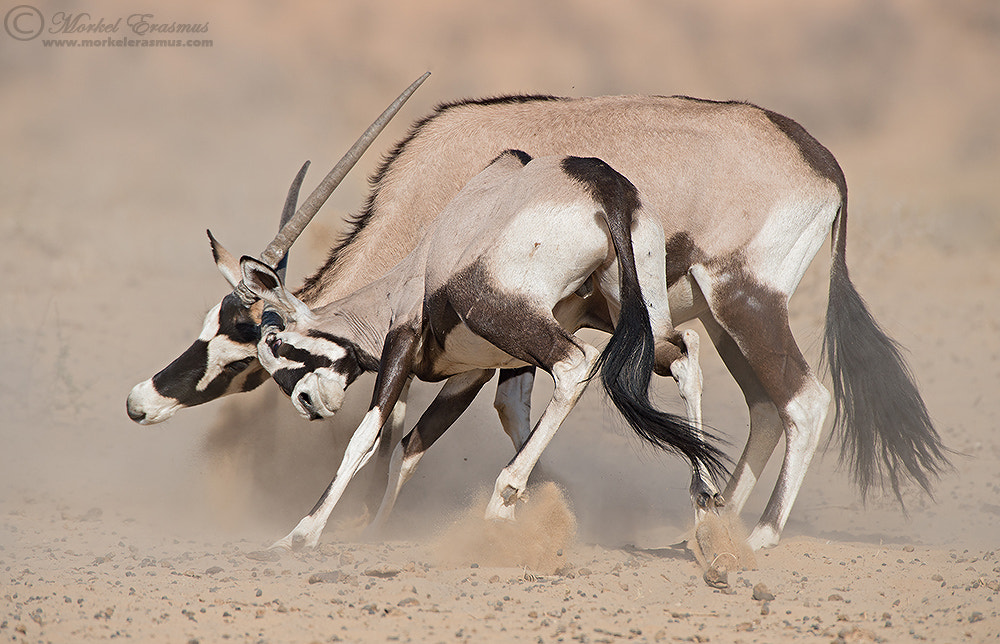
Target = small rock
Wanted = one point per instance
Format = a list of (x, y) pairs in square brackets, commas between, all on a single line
[(907, 548), (976, 616), (214, 570), (761, 593), (264, 555), (332, 577), (382, 572), (346, 558), (835, 598), (326, 550), (409, 601), (856, 635)]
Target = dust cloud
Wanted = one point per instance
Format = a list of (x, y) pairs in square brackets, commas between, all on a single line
[(544, 529)]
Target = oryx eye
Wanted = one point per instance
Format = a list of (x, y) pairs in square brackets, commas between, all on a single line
[(239, 365)]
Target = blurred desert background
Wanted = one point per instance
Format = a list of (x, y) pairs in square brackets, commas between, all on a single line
[(114, 161)]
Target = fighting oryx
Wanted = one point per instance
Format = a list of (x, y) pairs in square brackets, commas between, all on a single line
[(745, 197), (526, 254)]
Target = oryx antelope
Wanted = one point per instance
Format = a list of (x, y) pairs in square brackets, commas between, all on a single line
[(745, 197), (526, 254)]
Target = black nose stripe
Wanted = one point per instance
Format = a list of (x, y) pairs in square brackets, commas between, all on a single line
[(178, 379)]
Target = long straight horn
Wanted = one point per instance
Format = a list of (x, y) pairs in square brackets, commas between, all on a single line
[(290, 231), (291, 201)]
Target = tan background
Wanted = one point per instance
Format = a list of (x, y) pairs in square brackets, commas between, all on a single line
[(114, 161)]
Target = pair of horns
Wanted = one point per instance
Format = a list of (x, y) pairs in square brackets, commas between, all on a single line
[(293, 222)]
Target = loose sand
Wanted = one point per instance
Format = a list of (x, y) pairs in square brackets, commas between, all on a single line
[(114, 161)]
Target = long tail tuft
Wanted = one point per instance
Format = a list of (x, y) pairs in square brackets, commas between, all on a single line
[(885, 432), (626, 367), (626, 364)]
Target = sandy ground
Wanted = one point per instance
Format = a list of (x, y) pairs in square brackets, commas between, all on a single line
[(114, 161)]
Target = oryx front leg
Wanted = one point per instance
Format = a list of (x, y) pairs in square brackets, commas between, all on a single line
[(454, 398), (571, 375), (360, 449), (395, 370), (513, 403), (380, 476)]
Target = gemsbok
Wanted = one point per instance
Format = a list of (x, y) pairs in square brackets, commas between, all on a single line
[(526, 254), (745, 197)]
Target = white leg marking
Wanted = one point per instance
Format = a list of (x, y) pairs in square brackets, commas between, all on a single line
[(804, 416), (571, 379), (362, 445)]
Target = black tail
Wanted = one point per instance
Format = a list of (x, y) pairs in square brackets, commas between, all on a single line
[(626, 364), (885, 432)]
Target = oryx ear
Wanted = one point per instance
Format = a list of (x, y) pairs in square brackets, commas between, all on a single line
[(263, 282), (228, 265)]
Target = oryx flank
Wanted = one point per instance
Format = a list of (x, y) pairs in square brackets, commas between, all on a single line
[(526, 254), (745, 197)]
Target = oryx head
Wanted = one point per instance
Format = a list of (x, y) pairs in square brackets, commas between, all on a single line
[(223, 360), (314, 367)]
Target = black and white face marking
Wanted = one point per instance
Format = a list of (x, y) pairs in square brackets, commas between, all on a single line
[(221, 361), (314, 368)]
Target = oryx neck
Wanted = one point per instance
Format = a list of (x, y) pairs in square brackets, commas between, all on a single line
[(365, 316)]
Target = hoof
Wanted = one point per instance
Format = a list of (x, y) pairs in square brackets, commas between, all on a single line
[(498, 511), (763, 536), (708, 501), (716, 577)]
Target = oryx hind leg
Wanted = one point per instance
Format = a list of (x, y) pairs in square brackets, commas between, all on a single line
[(765, 424), (533, 336), (570, 374), (756, 317)]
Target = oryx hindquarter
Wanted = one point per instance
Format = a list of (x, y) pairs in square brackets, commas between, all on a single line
[(745, 197), (525, 255)]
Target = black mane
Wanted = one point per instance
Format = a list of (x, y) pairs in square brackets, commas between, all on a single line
[(358, 222)]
